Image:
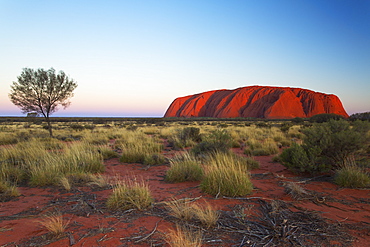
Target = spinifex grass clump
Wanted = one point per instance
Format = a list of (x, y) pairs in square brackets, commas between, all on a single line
[(232, 158), (7, 190), (184, 167), (54, 223), (261, 148), (184, 209), (107, 152), (31, 162), (206, 214), (352, 176), (183, 237), (130, 195), (136, 146), (7, 139), (180, 209), (224, 176)]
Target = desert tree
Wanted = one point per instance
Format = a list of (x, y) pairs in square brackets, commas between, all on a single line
[(42, 91)]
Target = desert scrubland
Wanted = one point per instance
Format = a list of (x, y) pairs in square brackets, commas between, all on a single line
[(184, 182)]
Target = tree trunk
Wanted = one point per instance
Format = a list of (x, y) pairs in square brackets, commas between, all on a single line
[(49, 127)]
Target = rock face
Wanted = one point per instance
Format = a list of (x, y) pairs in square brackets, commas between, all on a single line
[(256, 102)]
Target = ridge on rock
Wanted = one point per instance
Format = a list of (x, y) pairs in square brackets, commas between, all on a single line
[(257, 102)]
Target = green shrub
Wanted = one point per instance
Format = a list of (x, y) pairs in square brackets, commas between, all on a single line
[(327, 146), (299, 159), (352, 176), (219, 140), (337, 140), (184, 167)]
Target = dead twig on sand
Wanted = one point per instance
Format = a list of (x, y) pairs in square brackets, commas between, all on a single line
[(150, 234)]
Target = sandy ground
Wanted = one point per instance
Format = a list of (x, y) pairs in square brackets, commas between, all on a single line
[(92, 224)]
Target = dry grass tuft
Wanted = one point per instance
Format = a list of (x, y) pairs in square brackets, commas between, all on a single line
[(180, 209), (206, 214), (183, 237), (296, 191), (54, 223), (64, 181)]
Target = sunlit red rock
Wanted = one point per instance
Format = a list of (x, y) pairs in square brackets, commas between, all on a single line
[(256, 102)]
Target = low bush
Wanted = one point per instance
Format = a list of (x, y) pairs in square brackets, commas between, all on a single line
[(298, 159), (217, 141), (327, 146)]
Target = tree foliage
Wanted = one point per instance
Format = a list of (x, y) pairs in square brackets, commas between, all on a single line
[(42, 91), (360, 116), (325, 117)]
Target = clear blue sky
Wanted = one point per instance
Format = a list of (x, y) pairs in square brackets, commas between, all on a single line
[(133, 58)]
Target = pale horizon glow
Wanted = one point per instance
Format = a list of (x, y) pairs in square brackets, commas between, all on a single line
[(133, 58)]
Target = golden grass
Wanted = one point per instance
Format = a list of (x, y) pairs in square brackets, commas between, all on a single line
[(182, 237), (64, 182), (54, 223), (207, 215), (180, 209)]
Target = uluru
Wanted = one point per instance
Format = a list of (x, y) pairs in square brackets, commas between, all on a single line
[(256, 102)]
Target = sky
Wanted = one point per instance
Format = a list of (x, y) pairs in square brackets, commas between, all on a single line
[(133, 58)]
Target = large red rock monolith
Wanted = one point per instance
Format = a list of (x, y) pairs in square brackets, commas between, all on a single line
[(257, 102)]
